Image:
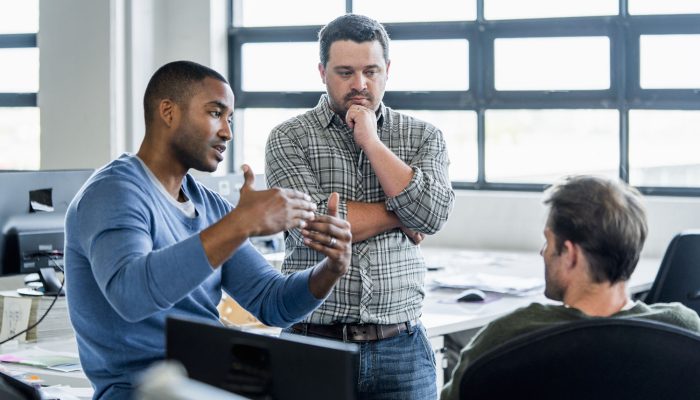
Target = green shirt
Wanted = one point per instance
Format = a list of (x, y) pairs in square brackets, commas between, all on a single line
[(539, 316)]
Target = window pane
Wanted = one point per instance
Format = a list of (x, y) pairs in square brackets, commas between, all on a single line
[(288, 13), (664, 148), (561, 63), (19, 138), (516, 9), (256, 125), (281, 67), (416, 10), (645, 7), (669, 61), (19, 16), (22, 65), (412, 59), (459, 131), (541, 146)]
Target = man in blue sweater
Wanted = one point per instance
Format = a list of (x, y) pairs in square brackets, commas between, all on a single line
[(144, 240)]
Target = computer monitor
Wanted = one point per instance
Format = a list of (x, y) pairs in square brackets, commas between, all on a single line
[(33, 205), (261, 366)]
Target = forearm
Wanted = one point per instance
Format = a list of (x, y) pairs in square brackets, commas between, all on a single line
[(370, 219), (221, 239), (393, 174), (322, 279)]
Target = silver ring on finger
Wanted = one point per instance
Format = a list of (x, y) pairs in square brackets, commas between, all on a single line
[(331, 243)]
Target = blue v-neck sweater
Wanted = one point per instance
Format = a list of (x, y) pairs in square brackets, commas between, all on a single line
[(133, 258)]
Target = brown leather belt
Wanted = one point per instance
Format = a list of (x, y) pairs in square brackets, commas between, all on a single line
[(354, 332)]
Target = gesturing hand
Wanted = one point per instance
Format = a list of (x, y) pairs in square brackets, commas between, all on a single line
[(331, 236), (274, 210)]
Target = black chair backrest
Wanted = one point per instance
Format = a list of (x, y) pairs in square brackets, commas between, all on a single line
[(606, 358), (678, 278)]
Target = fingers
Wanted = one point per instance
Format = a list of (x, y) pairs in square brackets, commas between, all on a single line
[(333, 201)]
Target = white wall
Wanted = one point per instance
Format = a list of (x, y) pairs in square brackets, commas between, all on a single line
[(97, 56), (514, 221)]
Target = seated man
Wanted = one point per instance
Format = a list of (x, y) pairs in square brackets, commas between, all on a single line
[(593, 237), (145, 240)]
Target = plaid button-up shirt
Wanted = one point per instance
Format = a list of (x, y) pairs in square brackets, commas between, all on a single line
[(315, 153)]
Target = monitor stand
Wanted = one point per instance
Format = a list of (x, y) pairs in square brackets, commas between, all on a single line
[(52, 286)]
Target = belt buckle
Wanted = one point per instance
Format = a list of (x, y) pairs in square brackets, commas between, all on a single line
[(345, 332)]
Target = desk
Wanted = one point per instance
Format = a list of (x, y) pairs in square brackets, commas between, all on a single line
[(49, 377), (442, 316)]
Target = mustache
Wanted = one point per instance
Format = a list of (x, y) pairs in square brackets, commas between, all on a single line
[(355, 93)]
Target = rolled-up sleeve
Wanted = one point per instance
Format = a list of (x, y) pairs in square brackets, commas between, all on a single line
[(427, 200)]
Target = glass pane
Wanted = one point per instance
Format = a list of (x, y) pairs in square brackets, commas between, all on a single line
[(19, 138), (412, 59), (517, 9), (645, 7), (542, 146), (560, 63), (416, 10), (459, 131), (281, 67), (256, 125), (669, 61), (19, 16), (19, 70), (664, 148), (288, 13)]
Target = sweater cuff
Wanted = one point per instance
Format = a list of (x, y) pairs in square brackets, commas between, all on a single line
[(304, 302)]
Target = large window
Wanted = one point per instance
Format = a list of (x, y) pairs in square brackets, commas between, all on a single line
[(526, 92), (19, 84)]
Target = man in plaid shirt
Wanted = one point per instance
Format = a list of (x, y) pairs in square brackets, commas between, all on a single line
[(391, 173)]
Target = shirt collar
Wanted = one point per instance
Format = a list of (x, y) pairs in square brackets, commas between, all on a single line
[(325, 114)]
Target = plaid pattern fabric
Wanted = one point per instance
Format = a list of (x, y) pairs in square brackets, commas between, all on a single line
[(315, 153)]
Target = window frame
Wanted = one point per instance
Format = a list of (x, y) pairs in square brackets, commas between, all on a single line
[(18, 41), (623, 31)]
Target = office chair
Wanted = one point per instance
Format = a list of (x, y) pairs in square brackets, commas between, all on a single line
[(678, 278), (602, 358)]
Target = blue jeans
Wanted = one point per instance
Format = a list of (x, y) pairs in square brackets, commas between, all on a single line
[(398, 368)]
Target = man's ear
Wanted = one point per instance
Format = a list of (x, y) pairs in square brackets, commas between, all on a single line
[(571, 254), (168, 112), (322, 72), (388, 64)]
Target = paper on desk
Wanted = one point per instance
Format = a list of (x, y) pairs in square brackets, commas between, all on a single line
[(512, 285), (37, 357), (66, 392)]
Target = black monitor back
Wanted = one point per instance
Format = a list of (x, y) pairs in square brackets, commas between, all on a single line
[(21, 222), (264, 367)]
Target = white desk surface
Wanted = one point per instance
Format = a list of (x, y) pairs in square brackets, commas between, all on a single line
[(442, 315), (76, 379)]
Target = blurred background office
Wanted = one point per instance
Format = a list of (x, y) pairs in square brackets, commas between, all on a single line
[(524, 91)]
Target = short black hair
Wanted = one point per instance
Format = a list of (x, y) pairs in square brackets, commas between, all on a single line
[(357, 28), (174, 81), (605, 217)]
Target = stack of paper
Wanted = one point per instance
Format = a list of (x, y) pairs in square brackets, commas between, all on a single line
[(506, 284), (19, 312), (37, 357)]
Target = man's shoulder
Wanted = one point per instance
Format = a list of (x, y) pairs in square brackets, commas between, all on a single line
[(118, 177), (304, 121), (670, 313), (403, 118)]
